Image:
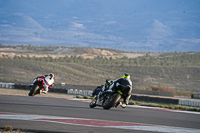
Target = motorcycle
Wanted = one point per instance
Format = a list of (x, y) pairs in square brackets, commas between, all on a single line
[(36, 88), (109, 99)]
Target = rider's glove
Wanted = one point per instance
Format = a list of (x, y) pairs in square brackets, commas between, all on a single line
[(110, 82)]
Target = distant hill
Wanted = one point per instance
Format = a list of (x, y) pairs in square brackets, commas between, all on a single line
[(130, 25), (157, 30), (89, 66)]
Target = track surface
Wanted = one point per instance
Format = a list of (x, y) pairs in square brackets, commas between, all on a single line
[(71, 115)]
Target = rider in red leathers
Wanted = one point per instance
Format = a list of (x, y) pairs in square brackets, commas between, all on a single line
[(47, 81)]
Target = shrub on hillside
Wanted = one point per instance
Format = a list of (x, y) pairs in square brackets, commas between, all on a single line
[(157, 88)]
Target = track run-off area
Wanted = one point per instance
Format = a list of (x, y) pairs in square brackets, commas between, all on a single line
[(74, 115)]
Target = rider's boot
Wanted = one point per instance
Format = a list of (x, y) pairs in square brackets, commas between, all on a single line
[(123, 105), (45, 90)]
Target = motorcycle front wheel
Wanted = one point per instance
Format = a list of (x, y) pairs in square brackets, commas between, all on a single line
[(112, 101), (93, 102), (33, 90)]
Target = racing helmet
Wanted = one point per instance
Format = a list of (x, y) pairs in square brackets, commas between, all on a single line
[(51, 75), (126, 75)]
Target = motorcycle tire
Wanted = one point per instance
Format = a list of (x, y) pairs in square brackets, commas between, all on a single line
[(112, 101), (93, 103), (33, 90)]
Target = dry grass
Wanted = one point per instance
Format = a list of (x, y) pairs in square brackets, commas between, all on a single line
[(5, 91), (157, 88)]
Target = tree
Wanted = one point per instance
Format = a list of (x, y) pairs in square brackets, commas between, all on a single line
[(28, 57), (15, 57), (148, 54), (80, 59), (136, 61)]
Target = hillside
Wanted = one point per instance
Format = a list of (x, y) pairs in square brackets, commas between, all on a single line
[(57, 52), (131, 25), (179, 71)]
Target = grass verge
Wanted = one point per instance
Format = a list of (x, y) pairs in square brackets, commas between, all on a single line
[(168, 106)]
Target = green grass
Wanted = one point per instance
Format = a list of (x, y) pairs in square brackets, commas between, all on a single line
[(8, 128), (84, 97), (168, 106)]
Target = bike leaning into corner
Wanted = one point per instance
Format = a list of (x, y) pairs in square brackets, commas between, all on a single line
[(41, 84), (109, 95)]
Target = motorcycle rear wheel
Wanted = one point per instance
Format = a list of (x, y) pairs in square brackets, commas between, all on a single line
[(33, 90), (112, 101)]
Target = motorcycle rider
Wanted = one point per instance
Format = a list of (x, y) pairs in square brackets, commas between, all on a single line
[(123, 81), (47, 81)]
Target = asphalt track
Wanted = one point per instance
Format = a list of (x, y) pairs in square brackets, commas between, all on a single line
[(74, 116)]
